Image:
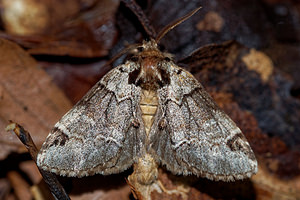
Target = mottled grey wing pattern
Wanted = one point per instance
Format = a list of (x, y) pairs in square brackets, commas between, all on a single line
[(103, 133), (191, 135)]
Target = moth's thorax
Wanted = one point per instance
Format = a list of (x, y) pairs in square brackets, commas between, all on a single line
[(150, 75), (148, 105), (151, 61)]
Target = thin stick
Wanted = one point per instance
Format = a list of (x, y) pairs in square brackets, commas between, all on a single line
[(55, 187), (172, 25), (136, 9)]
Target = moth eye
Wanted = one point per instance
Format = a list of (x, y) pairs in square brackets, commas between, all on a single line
[(167, 59), (140, 49), (134, 59), (121, 69)]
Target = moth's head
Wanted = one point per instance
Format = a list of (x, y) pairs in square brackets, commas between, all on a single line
[(151, 73), (150, 49)]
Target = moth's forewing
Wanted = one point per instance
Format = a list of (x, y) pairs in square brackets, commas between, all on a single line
[(98, 135), (198, 137)]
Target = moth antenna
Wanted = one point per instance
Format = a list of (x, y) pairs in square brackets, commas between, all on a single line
[(136, 9), (173, 24)]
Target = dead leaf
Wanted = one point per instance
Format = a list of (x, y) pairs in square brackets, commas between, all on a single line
[(75, 79), (70, 27), (29, 97), (31, 17)]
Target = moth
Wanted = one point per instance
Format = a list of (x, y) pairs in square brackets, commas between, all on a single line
[(148, 112)]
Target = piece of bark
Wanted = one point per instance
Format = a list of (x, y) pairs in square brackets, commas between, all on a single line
[(28, 96)]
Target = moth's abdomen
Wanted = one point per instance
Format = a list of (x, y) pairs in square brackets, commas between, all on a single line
[(148, 104)]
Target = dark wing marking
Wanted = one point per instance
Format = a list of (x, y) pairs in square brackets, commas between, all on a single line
[(191, 135), (100, 134)]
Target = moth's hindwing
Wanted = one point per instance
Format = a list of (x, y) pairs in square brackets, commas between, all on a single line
[(192, 135), (103, 133)]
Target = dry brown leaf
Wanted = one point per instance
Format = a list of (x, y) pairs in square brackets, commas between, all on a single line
[(75, 79), (28, 96), (78, 28), (30, 17)]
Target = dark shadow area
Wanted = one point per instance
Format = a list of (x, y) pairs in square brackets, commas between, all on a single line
[(83, 185), (227, 190)]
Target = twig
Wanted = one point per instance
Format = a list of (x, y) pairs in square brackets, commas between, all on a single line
[(55, 187), (136, 9)]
